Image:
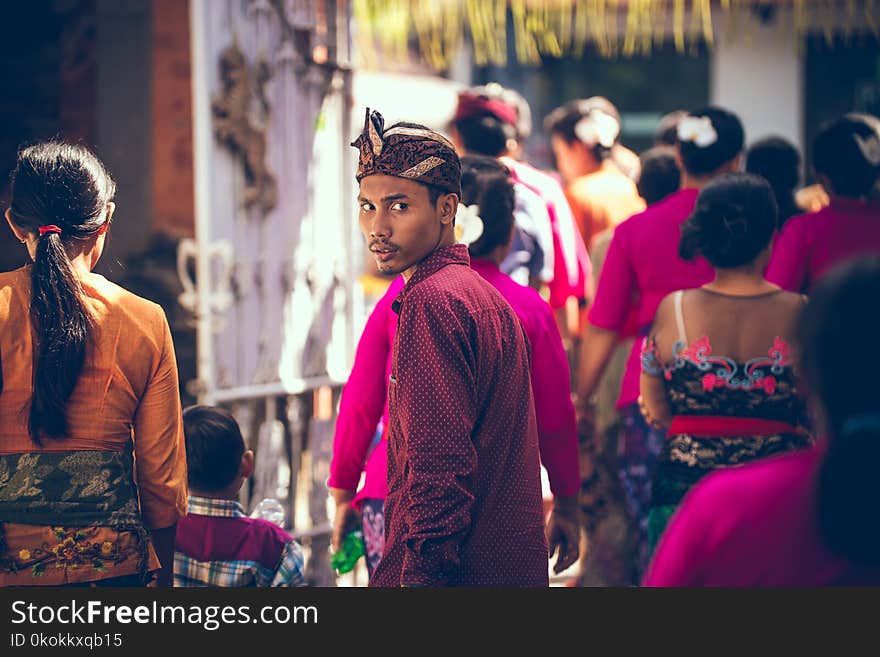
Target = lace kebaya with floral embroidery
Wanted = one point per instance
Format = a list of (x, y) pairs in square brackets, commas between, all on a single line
[(720, 371)]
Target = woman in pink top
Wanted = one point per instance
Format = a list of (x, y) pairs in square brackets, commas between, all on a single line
[(485, 221), (847, 160), (717, 367), (643, 266), (809, 518)]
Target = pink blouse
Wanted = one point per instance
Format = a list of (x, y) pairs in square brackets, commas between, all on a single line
[(364, 401), (755, 525), (810, 244), (364, 398), (642, 266)]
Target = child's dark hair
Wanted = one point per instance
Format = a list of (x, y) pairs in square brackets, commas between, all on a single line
[(486, 182), (833, 322), (485, 134), (778, 162), (659, 176), (214, 447), (733, 221), (704, 160), (847, 151), (66, 187), (563, 120)]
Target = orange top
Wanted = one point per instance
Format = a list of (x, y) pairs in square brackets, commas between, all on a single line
[(127, 390), (602, 199)]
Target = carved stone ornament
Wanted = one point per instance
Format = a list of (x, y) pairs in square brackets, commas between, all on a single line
[(233, 125)]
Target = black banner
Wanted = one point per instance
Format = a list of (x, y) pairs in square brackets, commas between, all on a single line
[(265, 621)]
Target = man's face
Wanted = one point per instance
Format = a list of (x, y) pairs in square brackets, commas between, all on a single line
[(401, 225)]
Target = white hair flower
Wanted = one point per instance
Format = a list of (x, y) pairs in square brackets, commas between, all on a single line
[(468, 224), (870, 148), (697, 129), (597, 127)]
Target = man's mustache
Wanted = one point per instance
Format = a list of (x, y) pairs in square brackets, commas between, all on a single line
[(378, 245)]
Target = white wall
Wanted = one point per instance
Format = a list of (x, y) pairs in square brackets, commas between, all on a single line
[(760, 77)]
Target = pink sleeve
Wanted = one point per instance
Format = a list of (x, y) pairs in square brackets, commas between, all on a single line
[(572, 273), (557, 432), (613, 302), (363, 398), (788, 264)]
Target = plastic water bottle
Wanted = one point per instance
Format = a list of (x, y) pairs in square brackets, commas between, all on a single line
[(352, 549), (270, 509)]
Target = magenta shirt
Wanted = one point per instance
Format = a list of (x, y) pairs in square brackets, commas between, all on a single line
[(755, 525), (364, 401), (642, 266), (364, 397), (551, 381), (810, 244)]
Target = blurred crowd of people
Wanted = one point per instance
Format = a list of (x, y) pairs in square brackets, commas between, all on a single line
[(679, 340), (678, 279)]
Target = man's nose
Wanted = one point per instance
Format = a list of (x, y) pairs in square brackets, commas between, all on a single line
[(379, 227)]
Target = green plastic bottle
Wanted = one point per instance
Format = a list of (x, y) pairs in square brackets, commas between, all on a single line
[(349, 552)]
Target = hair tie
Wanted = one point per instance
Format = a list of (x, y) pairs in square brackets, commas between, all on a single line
[(51, 228), (857, 423)]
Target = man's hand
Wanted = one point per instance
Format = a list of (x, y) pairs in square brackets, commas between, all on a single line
[(563, 532), (346, 519)]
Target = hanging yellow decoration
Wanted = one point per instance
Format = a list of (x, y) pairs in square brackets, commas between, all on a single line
[(384, 29)]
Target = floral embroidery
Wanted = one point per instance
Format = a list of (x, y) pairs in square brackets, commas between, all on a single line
[(74, 549), (650, 358), (91, 490), (720, 372)]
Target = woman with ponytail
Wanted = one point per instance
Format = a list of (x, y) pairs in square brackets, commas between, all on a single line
[(808, 518), (89, 402)]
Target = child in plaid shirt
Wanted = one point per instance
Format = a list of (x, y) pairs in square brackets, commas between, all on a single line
[(217, 544)]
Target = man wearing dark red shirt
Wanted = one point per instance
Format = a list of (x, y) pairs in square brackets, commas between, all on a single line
[(464, 492)]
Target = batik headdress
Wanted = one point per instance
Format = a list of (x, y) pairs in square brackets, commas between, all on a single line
[(418, 154)]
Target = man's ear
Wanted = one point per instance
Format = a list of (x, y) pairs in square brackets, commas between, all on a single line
[(448, 205), (247, 464)]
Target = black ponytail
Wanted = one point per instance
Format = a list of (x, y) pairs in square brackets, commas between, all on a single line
[(64, 186), (832, 327)]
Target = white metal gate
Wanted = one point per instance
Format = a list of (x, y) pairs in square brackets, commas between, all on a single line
[(270, 275)]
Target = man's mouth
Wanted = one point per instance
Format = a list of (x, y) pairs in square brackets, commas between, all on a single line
[(383, 253)]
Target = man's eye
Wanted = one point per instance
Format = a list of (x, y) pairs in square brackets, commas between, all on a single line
[(365, 206), (399, 206)]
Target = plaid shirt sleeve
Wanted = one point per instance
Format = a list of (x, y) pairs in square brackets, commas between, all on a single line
[(290, 568)]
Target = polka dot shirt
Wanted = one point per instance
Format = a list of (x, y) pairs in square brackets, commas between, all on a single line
[(464, 492)]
